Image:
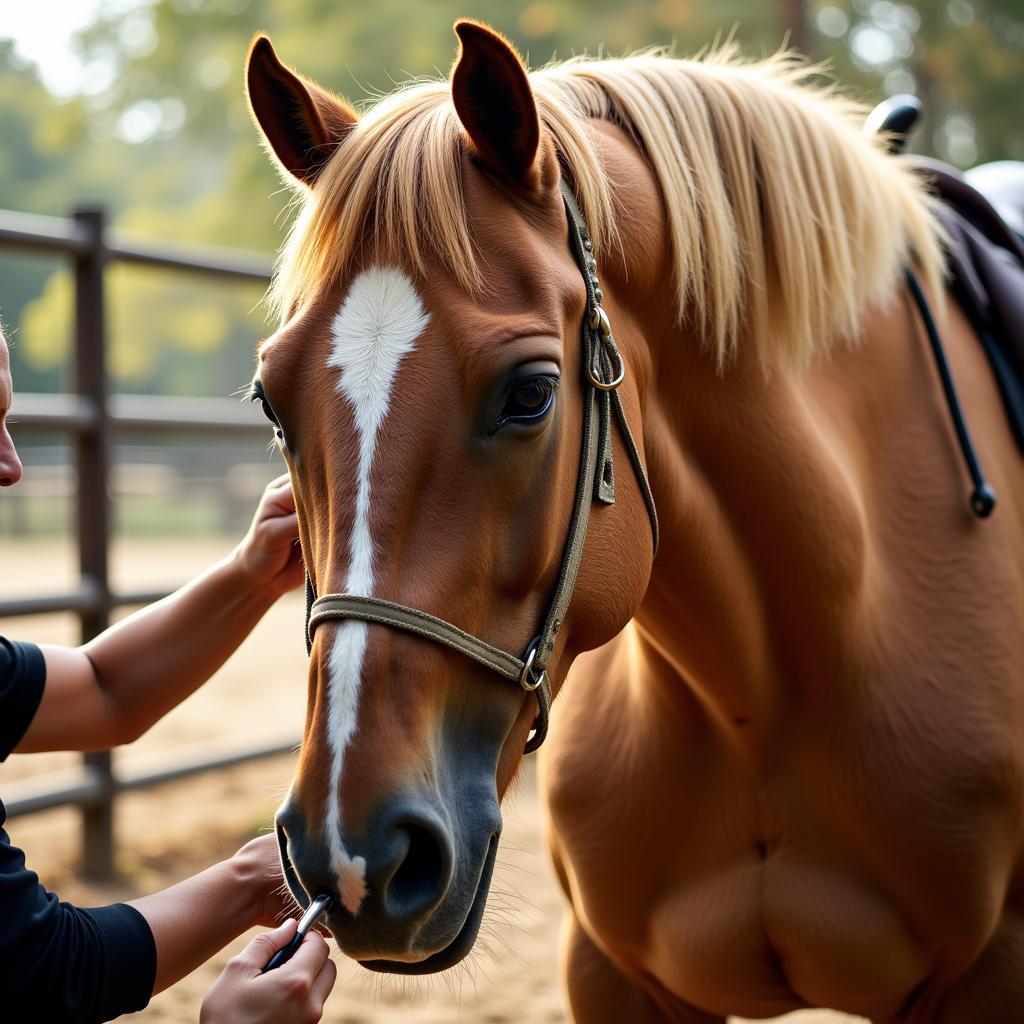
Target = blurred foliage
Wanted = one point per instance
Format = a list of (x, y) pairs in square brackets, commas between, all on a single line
[(160, 133), (168, 334)]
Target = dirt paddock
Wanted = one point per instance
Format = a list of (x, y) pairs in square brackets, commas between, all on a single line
[(169, 832)]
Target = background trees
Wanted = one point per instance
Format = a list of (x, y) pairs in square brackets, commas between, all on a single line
[(159, 131)]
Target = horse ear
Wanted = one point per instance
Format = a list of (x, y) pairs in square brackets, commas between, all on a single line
[(300, 121), (495, 104)]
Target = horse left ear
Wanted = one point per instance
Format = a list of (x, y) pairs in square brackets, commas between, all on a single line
[(301, 122), (495, 104)]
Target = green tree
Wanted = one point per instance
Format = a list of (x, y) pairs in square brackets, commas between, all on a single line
[(168, 145), (963, 58)]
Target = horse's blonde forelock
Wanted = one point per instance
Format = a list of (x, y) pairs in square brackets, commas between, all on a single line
[(785, 221)]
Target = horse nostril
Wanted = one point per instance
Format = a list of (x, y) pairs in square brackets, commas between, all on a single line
[(418, 880)]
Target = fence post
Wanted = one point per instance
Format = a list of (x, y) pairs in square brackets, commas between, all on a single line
[(93, 508)]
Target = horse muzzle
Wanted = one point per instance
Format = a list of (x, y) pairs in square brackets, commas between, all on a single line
[(408, 896)]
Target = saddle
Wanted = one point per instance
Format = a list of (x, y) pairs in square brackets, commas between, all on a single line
[(985, 259)]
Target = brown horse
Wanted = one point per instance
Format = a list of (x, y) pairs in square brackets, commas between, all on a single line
[(786, 769)]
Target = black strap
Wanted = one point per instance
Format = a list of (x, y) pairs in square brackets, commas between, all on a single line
[(983, 497), (310, 598)]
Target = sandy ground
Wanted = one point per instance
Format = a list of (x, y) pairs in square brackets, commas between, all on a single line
[(169, 832)]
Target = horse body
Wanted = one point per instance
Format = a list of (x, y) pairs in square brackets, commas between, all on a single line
[(796, 778), (788, 771)]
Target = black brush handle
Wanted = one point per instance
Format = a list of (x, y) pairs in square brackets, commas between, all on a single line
[(284, 954), (313, 913)]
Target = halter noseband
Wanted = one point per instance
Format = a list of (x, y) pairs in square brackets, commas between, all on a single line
[(604, 371)]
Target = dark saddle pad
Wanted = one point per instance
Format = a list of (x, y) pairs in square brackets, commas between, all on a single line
[(986, 278)]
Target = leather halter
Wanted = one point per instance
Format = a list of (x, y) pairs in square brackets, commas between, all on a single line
[(604, 371)]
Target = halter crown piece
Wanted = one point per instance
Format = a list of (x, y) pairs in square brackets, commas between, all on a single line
[(604, 371)]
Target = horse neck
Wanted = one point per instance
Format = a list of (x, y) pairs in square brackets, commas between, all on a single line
[(759, 520), (759, 514)]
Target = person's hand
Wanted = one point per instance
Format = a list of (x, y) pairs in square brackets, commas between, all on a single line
[(293, 993), (269, 552), (258, 866)]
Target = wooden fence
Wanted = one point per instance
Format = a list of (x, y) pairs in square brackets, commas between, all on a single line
[(93, 417)]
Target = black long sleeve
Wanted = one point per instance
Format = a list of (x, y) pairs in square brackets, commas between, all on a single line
[(58, 963)]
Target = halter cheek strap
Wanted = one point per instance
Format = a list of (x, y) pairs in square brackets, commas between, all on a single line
[(603, 371)]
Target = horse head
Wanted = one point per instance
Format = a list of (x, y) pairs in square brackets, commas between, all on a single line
[(427, 388)]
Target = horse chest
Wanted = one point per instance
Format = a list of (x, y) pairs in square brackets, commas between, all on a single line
[(875, 853)]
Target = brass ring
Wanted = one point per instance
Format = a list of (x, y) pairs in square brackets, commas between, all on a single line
[(599, 321), (524, 676), (609, 385)]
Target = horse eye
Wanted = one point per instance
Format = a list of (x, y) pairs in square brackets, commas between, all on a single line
[(529, 400), (258, 396), (268, 412)]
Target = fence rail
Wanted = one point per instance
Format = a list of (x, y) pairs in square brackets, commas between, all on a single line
[(93, 417), (136, 413)]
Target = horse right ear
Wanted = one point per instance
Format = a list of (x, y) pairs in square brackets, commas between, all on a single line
[(492, 96), (301, 122)]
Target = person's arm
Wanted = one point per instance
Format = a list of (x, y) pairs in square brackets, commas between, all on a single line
[(61, 962), (114, 688), (194, 919)]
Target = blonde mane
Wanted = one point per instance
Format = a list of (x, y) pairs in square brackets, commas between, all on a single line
[(785, 221)]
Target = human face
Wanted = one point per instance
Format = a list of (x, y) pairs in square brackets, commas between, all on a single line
[(10, 464)]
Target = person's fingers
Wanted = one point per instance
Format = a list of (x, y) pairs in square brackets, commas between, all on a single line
[(280, 529), (281, 518), (310, 956), (278, 502), (280, 492), (275, 493), (322, 985), (254, 957)]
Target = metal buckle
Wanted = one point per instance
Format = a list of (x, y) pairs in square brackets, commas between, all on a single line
[(599, 322), (524, 676)]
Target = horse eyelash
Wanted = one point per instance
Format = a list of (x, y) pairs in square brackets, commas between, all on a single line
[(257, 394)]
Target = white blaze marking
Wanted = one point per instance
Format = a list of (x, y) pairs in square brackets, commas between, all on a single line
[(378, 323)]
